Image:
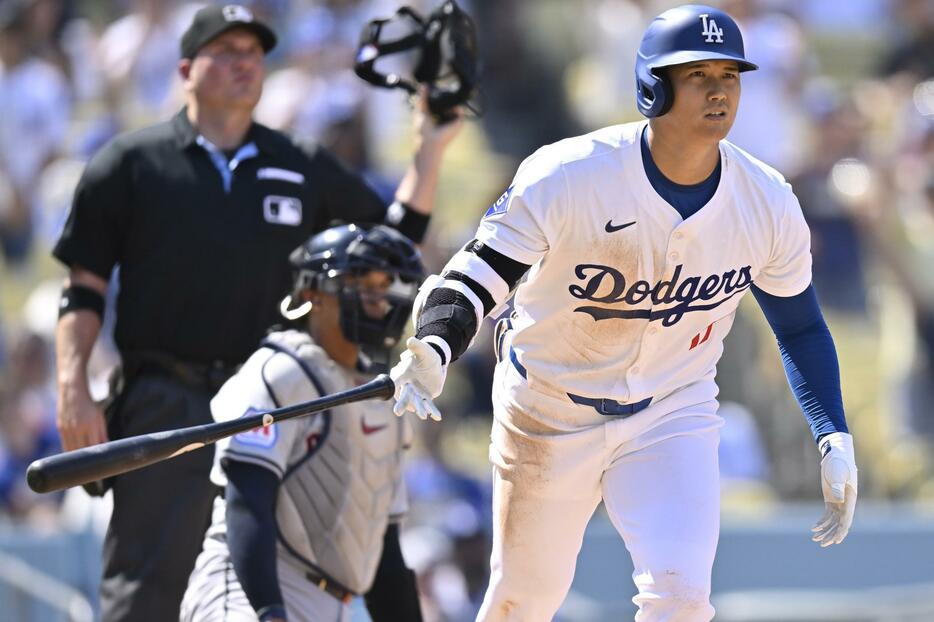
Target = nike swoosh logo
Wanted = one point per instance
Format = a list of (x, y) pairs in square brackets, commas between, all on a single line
[(371, 429), (611, 228)]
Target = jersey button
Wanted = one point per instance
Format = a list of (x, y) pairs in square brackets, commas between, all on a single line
[(673, 256), (653, 330), (634, 370), (679, 235)]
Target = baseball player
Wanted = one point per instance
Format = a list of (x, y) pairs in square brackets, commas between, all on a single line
[(639, 241), (308, 518)]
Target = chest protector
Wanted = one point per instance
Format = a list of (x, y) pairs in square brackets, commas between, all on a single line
[(343, 474)]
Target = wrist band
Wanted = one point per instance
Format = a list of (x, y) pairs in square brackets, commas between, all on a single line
[(407, 221), (78, 297)]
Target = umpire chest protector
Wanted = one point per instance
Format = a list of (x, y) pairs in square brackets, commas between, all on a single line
[(343, 479)]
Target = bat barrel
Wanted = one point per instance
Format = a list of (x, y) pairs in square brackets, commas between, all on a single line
[(81, 466)]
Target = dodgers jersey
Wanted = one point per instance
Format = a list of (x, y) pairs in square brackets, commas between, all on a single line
[(625, 299), (340, 471)]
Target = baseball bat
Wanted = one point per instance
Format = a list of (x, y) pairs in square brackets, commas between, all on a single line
[(88, 464)]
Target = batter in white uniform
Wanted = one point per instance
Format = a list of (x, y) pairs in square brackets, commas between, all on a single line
[(638, 242), (308, 517)]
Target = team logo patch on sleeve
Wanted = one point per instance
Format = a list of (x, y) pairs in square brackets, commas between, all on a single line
[(501, 204), (263, 436)]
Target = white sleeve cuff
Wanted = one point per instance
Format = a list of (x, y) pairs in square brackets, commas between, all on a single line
[(441, 343), (481, 272)]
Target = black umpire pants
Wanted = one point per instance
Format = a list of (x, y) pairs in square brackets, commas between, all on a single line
[(161, 512)]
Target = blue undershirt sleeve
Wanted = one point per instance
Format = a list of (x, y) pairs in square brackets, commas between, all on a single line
[(251, 532), (809, 357)]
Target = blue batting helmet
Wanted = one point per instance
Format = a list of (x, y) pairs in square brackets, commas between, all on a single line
[(682, 35)]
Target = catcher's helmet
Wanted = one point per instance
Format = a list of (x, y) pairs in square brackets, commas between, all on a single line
[(682, 35), (324, 261)]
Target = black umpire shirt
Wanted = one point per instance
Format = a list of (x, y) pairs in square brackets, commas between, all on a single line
[(202, 238)]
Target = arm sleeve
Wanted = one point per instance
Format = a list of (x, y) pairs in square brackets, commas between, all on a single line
[(809, 357), (98, 221), (788, 271), (251, 532)]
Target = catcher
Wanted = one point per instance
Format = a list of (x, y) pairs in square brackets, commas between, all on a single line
[(309, 513)]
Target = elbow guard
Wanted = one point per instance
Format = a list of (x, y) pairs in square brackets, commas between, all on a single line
[(449, 315), (476, 282)]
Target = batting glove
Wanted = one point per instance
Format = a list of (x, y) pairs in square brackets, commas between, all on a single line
[(838, 483), (419, 376)]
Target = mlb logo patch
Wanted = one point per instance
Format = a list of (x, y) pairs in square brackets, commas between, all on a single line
[(263, 436), (282, 210), (501, 204), (237, 13)]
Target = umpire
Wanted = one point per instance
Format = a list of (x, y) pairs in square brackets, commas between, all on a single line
[(200, 214)]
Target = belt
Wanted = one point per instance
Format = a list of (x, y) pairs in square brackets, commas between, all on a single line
[(603, 405), (210, 375), (331, 587), (607, 406)]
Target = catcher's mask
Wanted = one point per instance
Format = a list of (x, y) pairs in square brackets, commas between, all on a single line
[(333, 261), (446, 56)]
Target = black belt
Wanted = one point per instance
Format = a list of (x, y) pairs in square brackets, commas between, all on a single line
[(607, 406), (331, 587), (603, 405), (210, 375)]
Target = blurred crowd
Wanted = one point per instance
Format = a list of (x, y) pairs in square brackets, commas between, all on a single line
[(843, 106)]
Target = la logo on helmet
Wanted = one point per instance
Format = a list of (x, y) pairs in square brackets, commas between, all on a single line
[(712, 33)]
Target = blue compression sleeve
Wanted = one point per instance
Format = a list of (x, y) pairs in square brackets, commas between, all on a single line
[(251, 531), (809, 357)]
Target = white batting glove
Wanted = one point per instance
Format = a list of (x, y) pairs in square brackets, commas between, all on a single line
[(419, 377), (838, 483)]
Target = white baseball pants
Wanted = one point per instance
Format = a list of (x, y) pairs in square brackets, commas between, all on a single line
[(657, 474)]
